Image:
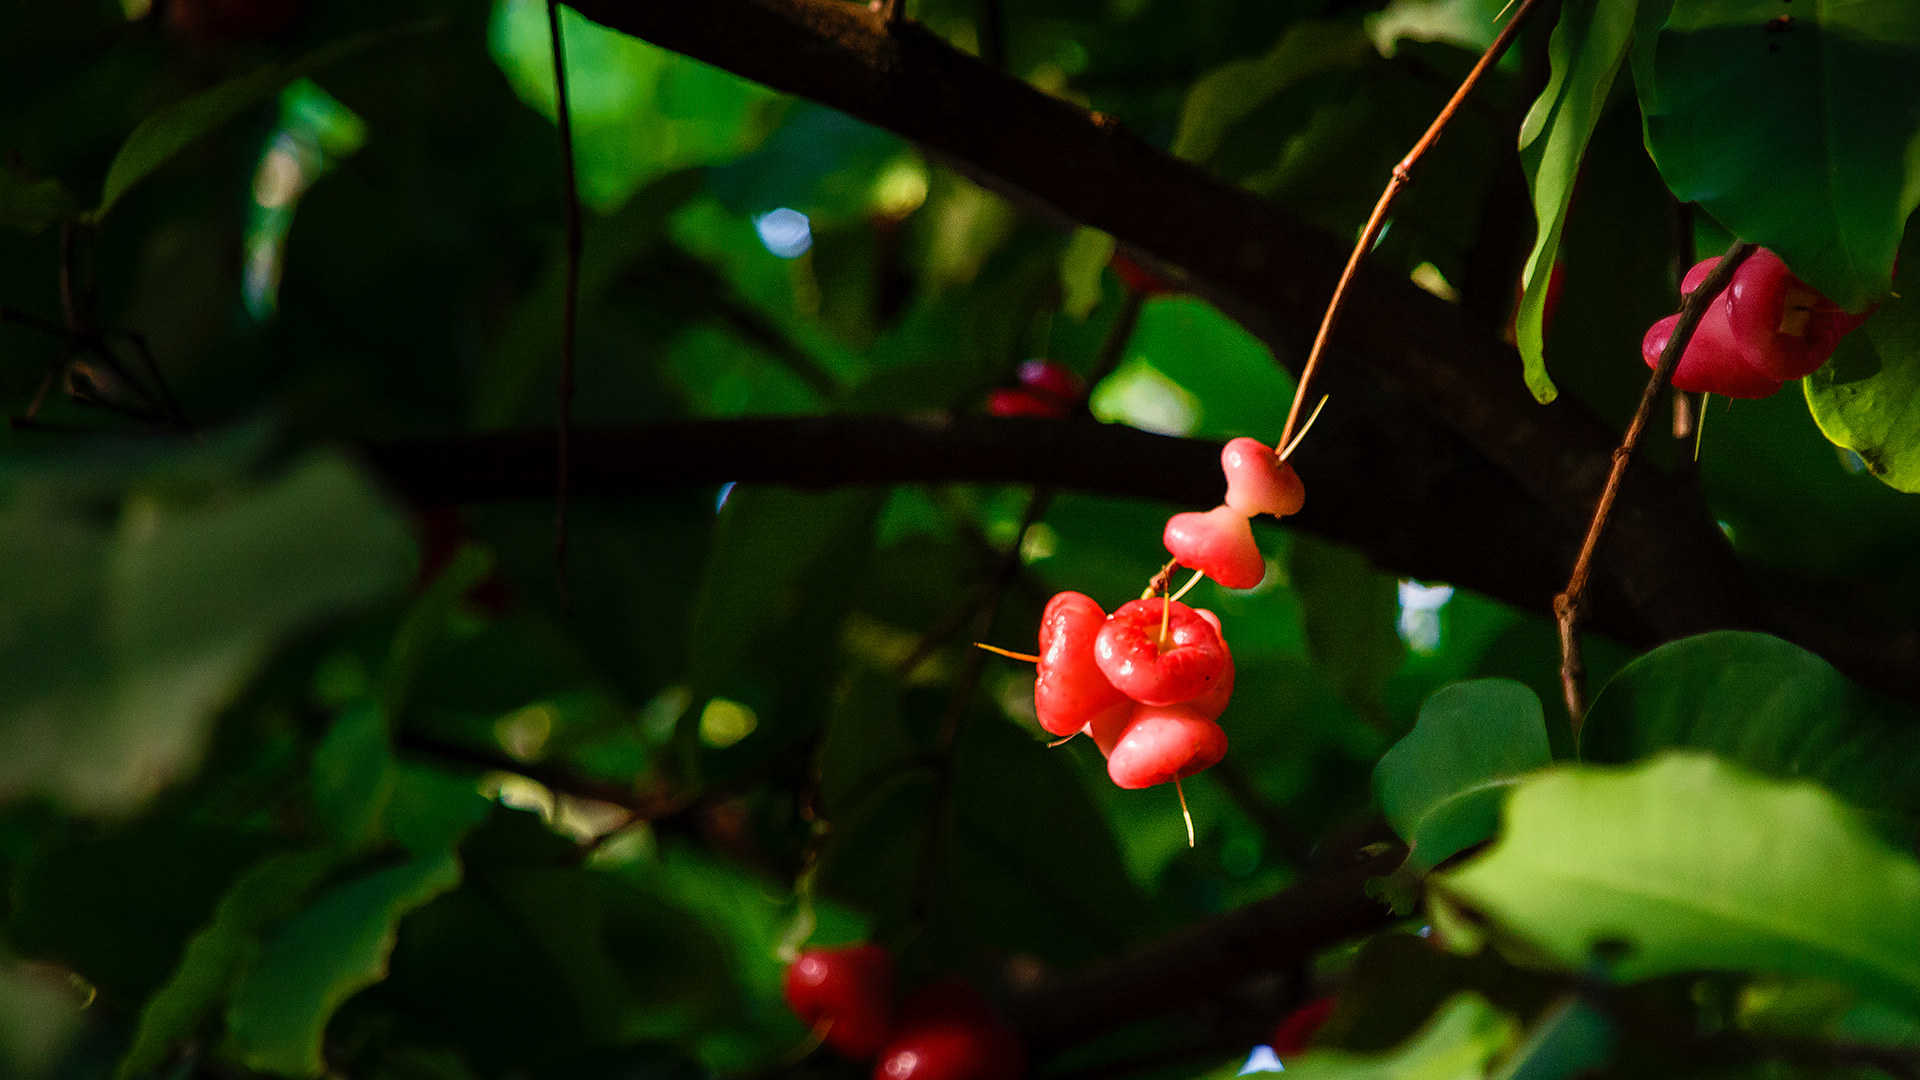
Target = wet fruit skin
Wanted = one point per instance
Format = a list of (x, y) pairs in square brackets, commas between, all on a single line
[(1218, 543), (1165, 743), (1069, 689), (1788, 329), (1713, 363), (849, 991), (1258, 482), (1128, 650), (949, 1032)]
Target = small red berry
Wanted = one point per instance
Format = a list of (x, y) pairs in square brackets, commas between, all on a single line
[(1138, 278), (1219, 544), (1295, 1033), (1258, 482), (1069, 691), (1024, 402), (1052, 379), (1187, 664), (1164, 743), (850, 990), (949, 1032)]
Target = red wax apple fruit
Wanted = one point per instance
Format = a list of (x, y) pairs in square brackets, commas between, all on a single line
[(1183, 665), (1258, 482), (1218, 543), (949, 1032), (847, 990), (1070, 691)]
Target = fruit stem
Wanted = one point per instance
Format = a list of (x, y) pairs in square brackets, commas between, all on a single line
[(1191, 582), (1700, 427), (1401, 174), (1166, 615), (1286, 453), (1008, 653), (1062, 741), (1185, 814), (1566, 606)]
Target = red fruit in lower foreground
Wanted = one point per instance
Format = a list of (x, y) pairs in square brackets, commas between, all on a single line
[(1713, 362), (1050, 379), (949, 1032), (1295, 1033), (1165, 743), (849, 991), (1024, 402), (1258, 482), (1188, 664), (1069, 690), (1219, 544)]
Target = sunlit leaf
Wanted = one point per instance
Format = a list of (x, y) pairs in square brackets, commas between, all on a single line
[(1687, 863)]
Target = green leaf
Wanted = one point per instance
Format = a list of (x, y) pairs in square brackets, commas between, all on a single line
[(353, 778), (1687, 863), (1441, 786), (1081, 267), (1795, 129), (1572, 1039), (322, 956), (1587, 48), (1230, 93), (1461, 1040), (265, 894), (144, 632), (1867, 397), (1763, 703), (174, 128), (32, 205)]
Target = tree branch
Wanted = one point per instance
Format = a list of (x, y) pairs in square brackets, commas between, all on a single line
[(1420, 369)]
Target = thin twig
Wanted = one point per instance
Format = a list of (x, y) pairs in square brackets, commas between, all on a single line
[(570, 305), (940, 817), (1566, 606), (1401, 174), (165, 393)]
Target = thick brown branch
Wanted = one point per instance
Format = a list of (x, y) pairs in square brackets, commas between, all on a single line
[(1419, 369)]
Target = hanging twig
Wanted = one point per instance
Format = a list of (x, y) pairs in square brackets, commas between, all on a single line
[(1566, 606), (1402, 172), (569, 306)]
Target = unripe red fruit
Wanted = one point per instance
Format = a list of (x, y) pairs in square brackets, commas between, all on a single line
[(1218, 543), (1258, 482), (1165, 743), (949, 1032), (1128, 650), (850, 990), (1069, 690)]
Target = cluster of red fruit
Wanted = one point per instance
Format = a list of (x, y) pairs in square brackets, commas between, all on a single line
[(1046, 389), (1145, 683), (946, 1031), (1766, 329)]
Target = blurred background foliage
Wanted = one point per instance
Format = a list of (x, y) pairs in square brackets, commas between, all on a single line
[(297, 776)]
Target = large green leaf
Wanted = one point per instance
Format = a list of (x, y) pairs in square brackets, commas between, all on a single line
[(140, 634), (1763, 703), (268, 892), (174, 128), (322, 956), (1459, 1043), (1687, 863), (1867, 397), (1228, 94), (1797, 129), (1587, 48), (1441, 786)]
